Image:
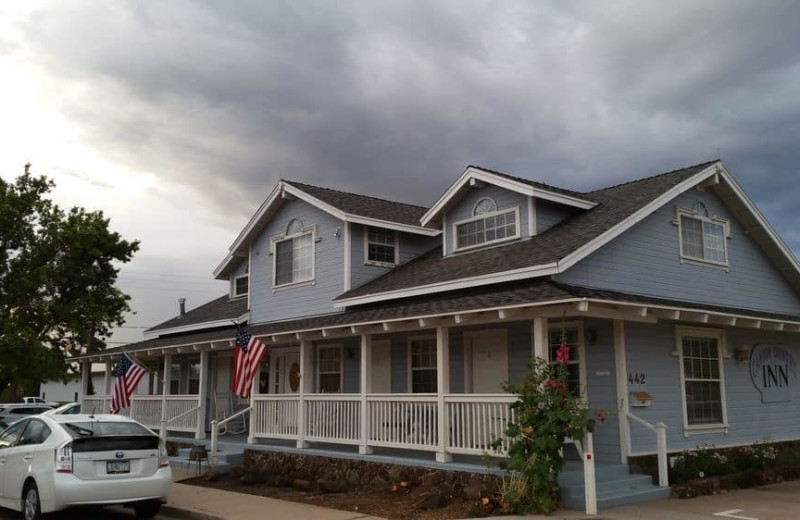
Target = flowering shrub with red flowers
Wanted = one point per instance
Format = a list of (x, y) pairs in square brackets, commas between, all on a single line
[(546, 414)]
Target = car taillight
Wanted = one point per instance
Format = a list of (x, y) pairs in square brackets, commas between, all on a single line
[(64, 458), (163, 456)]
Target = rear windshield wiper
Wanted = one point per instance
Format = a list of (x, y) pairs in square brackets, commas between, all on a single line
[(85, 432)]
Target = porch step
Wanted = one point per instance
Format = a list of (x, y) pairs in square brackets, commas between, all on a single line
[(226, 459), (615, 487)]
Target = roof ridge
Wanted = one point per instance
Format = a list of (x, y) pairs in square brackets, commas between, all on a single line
[(296, 183), (703, 164)]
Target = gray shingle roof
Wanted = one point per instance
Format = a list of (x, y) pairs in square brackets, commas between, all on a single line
[(615, 204), (473, 299), (365, 206), (535, 184), (222, 308)]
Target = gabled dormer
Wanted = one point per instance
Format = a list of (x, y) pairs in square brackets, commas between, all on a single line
[(485, 208)]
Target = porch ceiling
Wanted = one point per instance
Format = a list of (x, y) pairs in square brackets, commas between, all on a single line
[(512, 302)]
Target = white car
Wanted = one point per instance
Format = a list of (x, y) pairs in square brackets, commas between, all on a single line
[(13, 412), (68, 409), (52, 462)]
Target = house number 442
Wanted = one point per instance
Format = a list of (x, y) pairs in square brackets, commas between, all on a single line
[(636, 378)]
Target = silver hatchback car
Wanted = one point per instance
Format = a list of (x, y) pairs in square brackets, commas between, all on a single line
[(52, 462)]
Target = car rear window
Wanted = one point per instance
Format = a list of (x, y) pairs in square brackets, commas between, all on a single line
[(104, 428), (114, 443)]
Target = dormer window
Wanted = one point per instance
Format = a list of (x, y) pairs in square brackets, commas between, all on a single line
[(487, 225), (241, 285), (702, 238), (294, 254), (381, 247)]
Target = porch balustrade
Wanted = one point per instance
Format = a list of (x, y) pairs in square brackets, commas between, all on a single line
[(180, 411), (406, 421), (147, 410), (96, 404)]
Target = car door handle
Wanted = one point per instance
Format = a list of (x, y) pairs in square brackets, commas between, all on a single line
[(2, 461), (27, 458)]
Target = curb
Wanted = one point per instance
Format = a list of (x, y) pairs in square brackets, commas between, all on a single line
[(189, 513)]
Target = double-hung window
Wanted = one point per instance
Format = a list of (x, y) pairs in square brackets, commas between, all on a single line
[(487, 225), (330, 369), (702, 238), (380, 246), (569, 335), (423, 365), (240, 286), (700, 353), (294, 254)]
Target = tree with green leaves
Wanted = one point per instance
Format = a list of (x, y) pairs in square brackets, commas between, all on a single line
[(57, 274)]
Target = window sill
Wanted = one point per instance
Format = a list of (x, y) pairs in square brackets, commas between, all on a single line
[(701, 429), (286, 286), (373, 263), (705, 263)]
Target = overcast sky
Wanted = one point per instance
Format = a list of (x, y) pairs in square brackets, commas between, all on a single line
[(177, 118)]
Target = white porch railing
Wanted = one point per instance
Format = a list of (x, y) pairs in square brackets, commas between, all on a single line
[(333, 418), (402, 421), (181, 412), (215, 427), (96, 404), (477, 420), (275, 416), (660, 429), (147, 410)]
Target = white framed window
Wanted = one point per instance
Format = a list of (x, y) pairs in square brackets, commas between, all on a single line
[(381, 247), (329, 369), (486, 226), (422, 364), (293, 255), (241, 286), (572, 333), (702, 378), (702, 238)]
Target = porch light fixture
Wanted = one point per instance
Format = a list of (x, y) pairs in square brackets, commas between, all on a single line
[(337, 233), (742, 353)]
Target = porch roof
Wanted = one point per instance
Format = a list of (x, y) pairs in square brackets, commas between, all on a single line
[(507, 302)]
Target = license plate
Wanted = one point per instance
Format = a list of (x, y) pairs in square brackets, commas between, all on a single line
[(118, 466)]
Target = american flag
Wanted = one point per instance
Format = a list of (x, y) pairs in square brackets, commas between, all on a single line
[(128, 374), (246, 359)]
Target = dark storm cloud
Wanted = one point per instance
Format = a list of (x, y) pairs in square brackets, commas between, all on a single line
[(395, 98)]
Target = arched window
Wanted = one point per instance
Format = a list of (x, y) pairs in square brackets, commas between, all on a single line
[(485, 205), (295, 226)]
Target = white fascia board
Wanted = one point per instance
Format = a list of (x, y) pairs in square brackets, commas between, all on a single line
[(406, 228), (245, 232), (760, 218), (453, 285), (503, 182), (197, 326), (598, 242), (652, 306)]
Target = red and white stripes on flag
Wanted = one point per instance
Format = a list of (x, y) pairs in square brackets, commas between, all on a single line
[(246, 359), (128, 374)]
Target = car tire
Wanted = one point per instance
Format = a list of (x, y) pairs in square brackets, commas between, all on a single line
[(31, 505), (147, 509)]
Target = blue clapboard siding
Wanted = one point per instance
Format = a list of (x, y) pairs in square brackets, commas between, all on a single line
[(549, 213), (602, 388), (411, 246), (505, 199), (649, 351), (268, 305), (646, 260)]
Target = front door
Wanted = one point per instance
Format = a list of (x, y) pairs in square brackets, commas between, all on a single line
[(286, 371), (486, 361)]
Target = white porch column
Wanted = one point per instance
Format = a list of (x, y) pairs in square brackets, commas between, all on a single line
[(366, 388), (306, 386), (166, 376), (107, 387), (202, 392), (86, 375), (540, 349), (443, 388), (254, 388), (621, 371)]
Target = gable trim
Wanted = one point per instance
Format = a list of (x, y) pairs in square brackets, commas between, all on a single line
[(473, 174)]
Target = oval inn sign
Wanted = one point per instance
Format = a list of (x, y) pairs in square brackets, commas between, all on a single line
[(773, 370)]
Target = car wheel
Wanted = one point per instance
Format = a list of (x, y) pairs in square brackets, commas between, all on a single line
[(31, 507), (147, 509)]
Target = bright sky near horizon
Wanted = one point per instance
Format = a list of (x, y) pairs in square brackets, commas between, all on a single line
[(177, 118)]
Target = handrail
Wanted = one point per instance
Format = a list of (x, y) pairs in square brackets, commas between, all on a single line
[(660, 430), (215, 432), (163, 430)]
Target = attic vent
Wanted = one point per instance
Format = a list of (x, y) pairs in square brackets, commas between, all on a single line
[(295, 226)]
